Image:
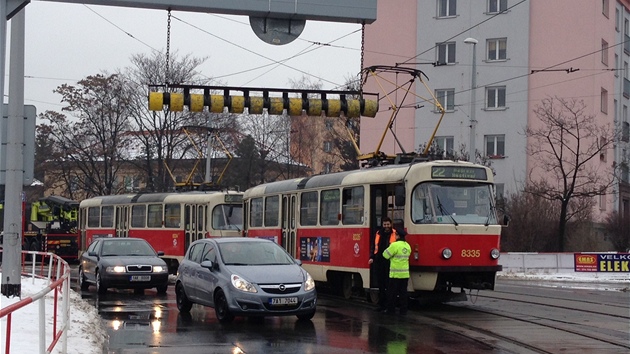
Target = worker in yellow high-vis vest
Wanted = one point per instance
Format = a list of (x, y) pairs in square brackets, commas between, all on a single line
[(398, 254)]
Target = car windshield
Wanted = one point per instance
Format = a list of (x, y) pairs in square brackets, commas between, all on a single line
[(254, 253), (126, 248)]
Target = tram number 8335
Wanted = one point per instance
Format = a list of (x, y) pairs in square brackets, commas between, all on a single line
[(471, 253)]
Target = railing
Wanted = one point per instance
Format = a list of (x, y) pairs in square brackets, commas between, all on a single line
[(57, 272)]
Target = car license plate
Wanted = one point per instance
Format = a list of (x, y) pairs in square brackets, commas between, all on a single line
[(283, 300), (140, 278)]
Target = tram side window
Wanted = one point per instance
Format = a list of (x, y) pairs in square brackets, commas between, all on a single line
[(352, 206), (308, 209), (420, 205), (138, 215), (329, 207), (154, 217), (107, 216), (93, 217), (256, 212), (172, 215), (272, 208)]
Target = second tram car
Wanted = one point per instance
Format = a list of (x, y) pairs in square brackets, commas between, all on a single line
[(329, 221), (168, 221)]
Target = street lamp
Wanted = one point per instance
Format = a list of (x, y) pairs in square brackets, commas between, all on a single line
[(473, 90)]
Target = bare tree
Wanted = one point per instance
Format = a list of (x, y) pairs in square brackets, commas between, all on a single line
[(164, 141), (90, 147), (566, 147)]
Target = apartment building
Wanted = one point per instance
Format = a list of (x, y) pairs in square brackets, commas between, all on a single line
[(515, 54)]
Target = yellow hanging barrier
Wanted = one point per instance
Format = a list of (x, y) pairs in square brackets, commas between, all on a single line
[(350, 107)]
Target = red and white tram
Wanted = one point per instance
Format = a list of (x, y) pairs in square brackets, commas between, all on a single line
[(169, 221), (328, 221)]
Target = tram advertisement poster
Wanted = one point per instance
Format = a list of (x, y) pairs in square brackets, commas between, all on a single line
[(602, 262), (315, 249)]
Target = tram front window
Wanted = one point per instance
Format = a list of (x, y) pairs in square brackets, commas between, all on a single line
[(227, 217), (440, 203)]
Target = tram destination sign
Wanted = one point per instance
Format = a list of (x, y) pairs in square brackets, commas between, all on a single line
[(459, 172)]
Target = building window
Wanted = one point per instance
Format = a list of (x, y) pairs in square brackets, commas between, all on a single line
[(625, 173), (328, 167), (602, 202), (329, 124), (497, 49), (616, 65), (444, 143), (495, 97), (625, 131), (446, 8), (604, 101), (327, 146), (446, 97), (446, 53), (495, 146), (495, 6), (605, 7), (499, 190), (617, 19), (604, 52), (131, 183)]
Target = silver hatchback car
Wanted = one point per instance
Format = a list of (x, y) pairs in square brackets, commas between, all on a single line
[(246, 277)]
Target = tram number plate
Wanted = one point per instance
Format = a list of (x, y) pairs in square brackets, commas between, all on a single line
[(140, 278), (283, 301)]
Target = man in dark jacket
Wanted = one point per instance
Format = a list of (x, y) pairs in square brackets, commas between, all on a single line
[(382, 239)]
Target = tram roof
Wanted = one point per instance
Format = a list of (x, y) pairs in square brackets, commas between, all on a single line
[(374, 175), (189, 196)]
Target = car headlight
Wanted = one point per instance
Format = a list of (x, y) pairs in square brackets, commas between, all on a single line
[(447, 253), (159, 269), (309, 284), (115, 269), (242, 284), (495, 253)]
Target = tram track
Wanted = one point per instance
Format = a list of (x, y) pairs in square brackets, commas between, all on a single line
[(524, 323)]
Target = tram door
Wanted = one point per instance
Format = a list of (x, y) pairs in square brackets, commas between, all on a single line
[(194, 219), (122, 220), (289, 224)]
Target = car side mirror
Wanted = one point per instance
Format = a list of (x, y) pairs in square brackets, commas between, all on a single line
[(298, 261), (210, 265), (160, 253), (92, 254)]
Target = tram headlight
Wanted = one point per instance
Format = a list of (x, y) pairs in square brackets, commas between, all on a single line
[(447, 253), (309, 284), (242, 284), (115, 269), (495, 253)]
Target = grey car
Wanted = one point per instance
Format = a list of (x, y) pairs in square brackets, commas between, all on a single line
[(244, 277), (123, 263)]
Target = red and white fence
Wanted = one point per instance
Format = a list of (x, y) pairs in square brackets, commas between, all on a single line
[(54, 269)]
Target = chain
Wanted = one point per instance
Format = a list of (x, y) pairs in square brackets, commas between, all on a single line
[(168, 45), (362, 54)]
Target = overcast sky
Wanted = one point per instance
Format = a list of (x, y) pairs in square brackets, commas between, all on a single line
[(67, 42)]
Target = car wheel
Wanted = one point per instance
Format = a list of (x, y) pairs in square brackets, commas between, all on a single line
[(306, 316), (83, 284), (221, 308), (100, 285), (183, 304), (162, 289)]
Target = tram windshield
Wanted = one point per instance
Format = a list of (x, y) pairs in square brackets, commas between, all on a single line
[(441, 203), (227, 217)]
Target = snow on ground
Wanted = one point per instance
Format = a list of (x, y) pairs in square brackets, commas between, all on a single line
[(87, 334)]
